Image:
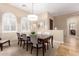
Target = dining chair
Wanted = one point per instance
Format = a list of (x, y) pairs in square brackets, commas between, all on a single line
[(26, 41), (35, 44), (47, 41), (19, 38)]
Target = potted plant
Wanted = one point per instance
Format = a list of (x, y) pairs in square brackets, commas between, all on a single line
[(33, 33)]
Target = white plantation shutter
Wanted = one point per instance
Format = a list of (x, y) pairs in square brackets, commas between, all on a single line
[(25, 24), (9, 22)]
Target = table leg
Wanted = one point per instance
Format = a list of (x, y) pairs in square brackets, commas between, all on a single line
[(9, 42), (52, 41), (1, 47), (43, 48)]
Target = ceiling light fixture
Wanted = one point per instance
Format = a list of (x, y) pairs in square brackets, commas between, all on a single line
[(32, 17)]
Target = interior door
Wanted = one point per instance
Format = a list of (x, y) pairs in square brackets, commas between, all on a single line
[(51, 24)]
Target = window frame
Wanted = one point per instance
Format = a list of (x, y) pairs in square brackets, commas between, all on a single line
[(15, 22), (27, 24)]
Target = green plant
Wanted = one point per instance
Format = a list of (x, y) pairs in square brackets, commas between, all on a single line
[(32, 32)]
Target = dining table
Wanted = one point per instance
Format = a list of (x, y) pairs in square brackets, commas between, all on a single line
[(44, 38)]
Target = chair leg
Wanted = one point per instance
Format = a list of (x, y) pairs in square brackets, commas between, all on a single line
[(37, 51), (47, 45), (23, 44), (31, 49), (45, 48), (27, 46), (20, 43)]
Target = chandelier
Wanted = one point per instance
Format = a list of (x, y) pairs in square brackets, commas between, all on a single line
[(32, 17)]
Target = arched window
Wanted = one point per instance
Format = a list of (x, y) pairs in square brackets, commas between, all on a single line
[(9, 22), (25, 24)]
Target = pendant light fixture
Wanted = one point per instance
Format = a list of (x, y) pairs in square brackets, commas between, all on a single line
[(32, 17)]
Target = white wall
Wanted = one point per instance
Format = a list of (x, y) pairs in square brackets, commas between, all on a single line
[(61, 23)]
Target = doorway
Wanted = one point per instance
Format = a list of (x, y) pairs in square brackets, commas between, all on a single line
[(51, 24)]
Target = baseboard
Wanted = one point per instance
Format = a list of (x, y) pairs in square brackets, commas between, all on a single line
[(58, 42)]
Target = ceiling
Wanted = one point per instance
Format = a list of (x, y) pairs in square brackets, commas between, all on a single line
[(54, 9)]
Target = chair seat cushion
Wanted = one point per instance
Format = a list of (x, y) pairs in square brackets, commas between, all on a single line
[(28, 42), (2, 41), (39, 45)]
